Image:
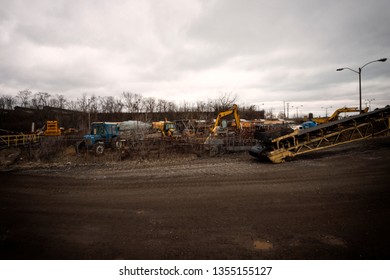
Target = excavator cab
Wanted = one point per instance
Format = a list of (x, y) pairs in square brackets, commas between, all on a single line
[(169, 128)]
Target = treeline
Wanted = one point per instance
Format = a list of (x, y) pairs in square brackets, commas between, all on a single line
[(17, 113), (128, 102)]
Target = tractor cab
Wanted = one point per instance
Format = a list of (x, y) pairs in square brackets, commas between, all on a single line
[(102, 135)]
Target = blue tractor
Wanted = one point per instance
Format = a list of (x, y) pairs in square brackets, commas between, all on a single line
[(103, 135)]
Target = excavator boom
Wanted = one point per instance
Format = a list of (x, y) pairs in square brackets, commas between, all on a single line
[(221, 115), (335, 115)]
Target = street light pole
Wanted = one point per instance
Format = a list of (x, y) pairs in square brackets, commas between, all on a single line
[(360, 90), (360, 78)]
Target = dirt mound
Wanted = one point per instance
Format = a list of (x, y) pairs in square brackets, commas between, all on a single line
[(9, 156)]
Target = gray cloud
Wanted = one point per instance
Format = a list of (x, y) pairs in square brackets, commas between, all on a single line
[(264, 51)]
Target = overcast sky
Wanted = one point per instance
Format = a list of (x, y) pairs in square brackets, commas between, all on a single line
[(265, 52)]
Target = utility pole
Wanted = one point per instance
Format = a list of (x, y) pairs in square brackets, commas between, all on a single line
[(326, 110), (288, 109)]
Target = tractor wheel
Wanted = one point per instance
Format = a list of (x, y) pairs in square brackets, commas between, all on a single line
[(99, 149), (116, 143), (80, 147)]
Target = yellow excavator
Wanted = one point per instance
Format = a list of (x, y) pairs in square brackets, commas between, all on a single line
[(221, 115), (336, 114), (167, 128), (214, 142)]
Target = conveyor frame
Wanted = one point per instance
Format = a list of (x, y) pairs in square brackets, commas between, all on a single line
[(327, 135)]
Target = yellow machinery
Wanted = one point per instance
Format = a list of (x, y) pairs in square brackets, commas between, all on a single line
[(222, 139), (167, 128), (221, 115), (52, 129), (18, 140), (335, 115)]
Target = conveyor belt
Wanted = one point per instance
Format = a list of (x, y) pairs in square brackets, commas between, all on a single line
[(365, 115), (326, 135)]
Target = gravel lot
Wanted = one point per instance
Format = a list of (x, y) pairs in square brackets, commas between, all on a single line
[(333, 204)]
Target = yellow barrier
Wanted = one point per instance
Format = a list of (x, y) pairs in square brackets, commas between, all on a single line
[(16, 140)]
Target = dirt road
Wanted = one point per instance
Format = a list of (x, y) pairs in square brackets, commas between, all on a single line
[(333, 204)]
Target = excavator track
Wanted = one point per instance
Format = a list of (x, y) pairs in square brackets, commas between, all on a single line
[(327, 135)]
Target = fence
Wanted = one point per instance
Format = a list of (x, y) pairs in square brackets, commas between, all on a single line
[(18, 140)]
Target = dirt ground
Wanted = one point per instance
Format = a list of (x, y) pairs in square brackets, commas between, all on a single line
[(333, 204)]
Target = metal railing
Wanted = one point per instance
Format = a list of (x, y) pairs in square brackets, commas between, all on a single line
[(18, 140)]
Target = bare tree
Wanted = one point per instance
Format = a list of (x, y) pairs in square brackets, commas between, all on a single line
[(172, 107), (7, 102), (43, 98), (210, 106), (109, 104), (185, 107), (53, 102), (61, 101), (128, 99), (86, 103), (149, 104), (132, 101), (40, 99), (118, 106), (201, 106), (106, 104), (137, 105), (72, 105), (10, 102), (224, 102), (24, 97), (82, 103), (92, 104), (2, 102), (162, 106)]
